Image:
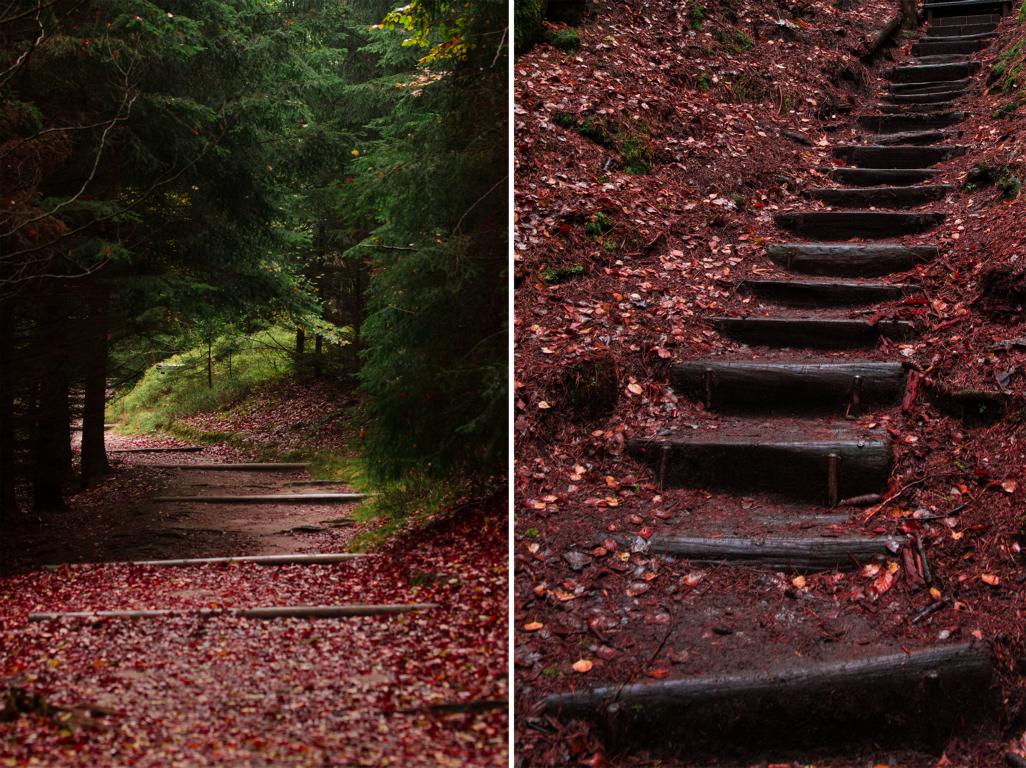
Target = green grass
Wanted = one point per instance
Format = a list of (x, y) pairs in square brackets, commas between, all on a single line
[(555, 276), (166, 393), (696, 15), (566, 40)]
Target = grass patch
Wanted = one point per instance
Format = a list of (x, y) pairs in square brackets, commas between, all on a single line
[(414, 499), (555, 276), (1021, 18), (636, 154), (696, 15), (736, 40), (598, 130), (179, 386), (599, 225), (566, 40)]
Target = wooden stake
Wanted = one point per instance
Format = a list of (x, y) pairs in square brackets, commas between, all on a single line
[(296, 612)]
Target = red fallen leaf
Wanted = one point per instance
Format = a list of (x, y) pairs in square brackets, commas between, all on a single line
[(990, 578), (583, 665), (646, 532), (659, 672), (1009, 486), (885, 580), (637, 588)]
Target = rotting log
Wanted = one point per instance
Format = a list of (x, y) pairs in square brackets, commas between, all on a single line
[(802, 554), (289, 559), (281, 498), (274, 612), (916, 697), (874, 43)]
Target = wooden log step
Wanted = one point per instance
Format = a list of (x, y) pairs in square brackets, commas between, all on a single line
[(896, 123), (801, 554), (927, 87), (880, 177), (253, 467), (938, 97), (844, 225), (903, 156), (945, 58), (881, 197), (273, 498), (911, 109), (820, 293), (289, 559), (916, 137), (892, 697), (985, 37), (785, 387), (809, 462), (274, 612), (959, 30), (811, 332), (970, 17), (929, 73), (935, 47), (849, 260), (180, 449)]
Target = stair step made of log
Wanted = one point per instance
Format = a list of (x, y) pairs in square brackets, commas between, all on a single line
[(903, 156), (788, 387), (896, 123), (956, 20), (811, 332), (819, 293), (930, 73), (916, 137), (844, 225), (787, 553), (881, 197), (959, 30), (896, 697), (850, 260), (927, 87), (805, 461), (936, 47), (939, 97), (872, 177), (277, 498)]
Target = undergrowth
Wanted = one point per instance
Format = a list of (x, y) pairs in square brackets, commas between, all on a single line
[(179, 385)]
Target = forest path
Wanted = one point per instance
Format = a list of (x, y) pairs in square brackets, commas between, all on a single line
[(203, 685), (744, 662)]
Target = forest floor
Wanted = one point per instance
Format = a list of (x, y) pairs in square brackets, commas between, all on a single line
[(650, 163), (423, 688)]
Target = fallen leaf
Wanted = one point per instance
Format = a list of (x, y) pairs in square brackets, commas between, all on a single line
[(583, 665)]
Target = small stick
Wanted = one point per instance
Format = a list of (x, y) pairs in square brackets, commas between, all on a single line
[(930, 610), (922, 558), (865, 500)]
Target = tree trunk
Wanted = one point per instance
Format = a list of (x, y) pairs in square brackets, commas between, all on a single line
[(300, 343), (50, 451), (8, 498), (94, 449)]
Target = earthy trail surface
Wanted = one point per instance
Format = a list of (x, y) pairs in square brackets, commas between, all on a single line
[(423, 688), (763, 490)]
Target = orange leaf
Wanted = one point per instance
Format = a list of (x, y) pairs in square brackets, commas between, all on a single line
[(583, 666)]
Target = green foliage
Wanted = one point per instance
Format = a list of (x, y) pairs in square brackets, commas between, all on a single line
[(636, 154), (696, 15), (554, 275), (565, 119), (564, 39), (529, 17), (750, 88), (704, 84), (596, 129), (600, 224), (736, 40), (178, 386), (1021, 17)]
